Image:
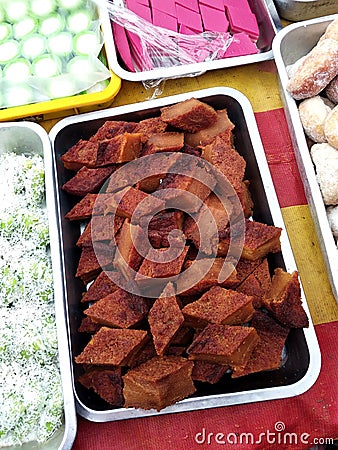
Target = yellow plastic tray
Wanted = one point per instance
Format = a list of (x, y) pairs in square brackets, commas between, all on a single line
[(64, 106), (75, 104)]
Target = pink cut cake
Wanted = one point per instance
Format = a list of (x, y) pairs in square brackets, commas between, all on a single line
[(183, 29), (243, 20), (213, 19), (242, 4), (240, 45), (167, 7), (189, 4), (161, 19), (141, 10), (216, 4), (122, 45), (191, 19)]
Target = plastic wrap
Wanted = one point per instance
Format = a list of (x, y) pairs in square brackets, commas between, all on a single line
[(49, 49), (158, 47)]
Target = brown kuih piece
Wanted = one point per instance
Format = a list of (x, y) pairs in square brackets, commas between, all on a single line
[(229, 162), (158, 383), (169, 141), (259, 240), (208, 372), (88, 326), (122, 148), (87, 181), (92, 260), (112, 128), (267, 355), (133, 204), (100, 228), (118, 310), (107, 383), (157, 269), (101, 286), (212, 214), (165, 319), (224, 344), (148, 127), (257, 284), (284, 299), (89, 205), (160, 225), (207, 278), (112, 346), (128, 256), (206, 135), (83, 153), (221, 306), (189, 115)]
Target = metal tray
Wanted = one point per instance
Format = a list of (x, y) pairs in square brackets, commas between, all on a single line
[(268, 22), (31, 139), (289, 45), (303, 360), (296, 10)]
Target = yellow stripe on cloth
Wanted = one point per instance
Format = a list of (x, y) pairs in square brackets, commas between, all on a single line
[(257, 81), (310, 264)]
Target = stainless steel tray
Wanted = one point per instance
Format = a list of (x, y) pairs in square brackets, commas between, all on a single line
[(302, 365), (289, 45), (296, 10), (268, 22), (31, 139)]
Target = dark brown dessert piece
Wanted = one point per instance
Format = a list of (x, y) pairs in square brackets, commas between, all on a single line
[(221, 273), (267, 355), (169, 141), (112, 346), (87, 181), (160, 226), (259, 240), (284, 299), (257, 284), (101, 286), (107, 383), (165, 318), (100, 228), (221, 306), (206, 135), (159, 382), (133, 203), (207, 372), (119, 149), (120, 309), (92, 260), (224, 344), (83, 153), (112, 128), (189, 115)]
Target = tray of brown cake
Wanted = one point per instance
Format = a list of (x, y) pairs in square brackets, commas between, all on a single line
[(181, 287), (306, 58)]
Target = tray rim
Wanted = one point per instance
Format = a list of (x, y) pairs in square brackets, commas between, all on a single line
[(70, 422), (303, 157), (219, 400), (198, 68)]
